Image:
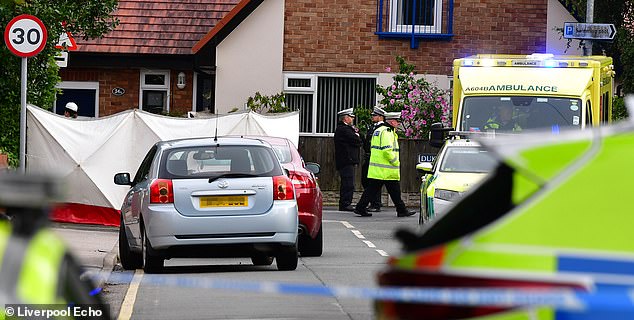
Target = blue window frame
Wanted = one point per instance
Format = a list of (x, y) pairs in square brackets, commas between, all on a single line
[(414, 19)]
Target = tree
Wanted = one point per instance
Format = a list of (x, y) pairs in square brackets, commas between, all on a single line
[(419, 102), (621, 14), (87, 19)]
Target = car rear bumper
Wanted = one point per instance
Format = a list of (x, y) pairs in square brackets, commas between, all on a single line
[(167, 228)]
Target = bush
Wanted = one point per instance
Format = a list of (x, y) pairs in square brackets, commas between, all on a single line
[(419, 102), (619, 111), (363, 117), (271, 104)]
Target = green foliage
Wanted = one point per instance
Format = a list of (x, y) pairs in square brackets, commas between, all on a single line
[(271, 104), (86, 19), (619, 111), (363, 118), (419, 102), (619, 13)]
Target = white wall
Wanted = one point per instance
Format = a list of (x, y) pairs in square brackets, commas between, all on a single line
[(555, 43), (250, 58)]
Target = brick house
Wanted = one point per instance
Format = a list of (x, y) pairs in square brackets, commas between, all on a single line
[(326, 55)]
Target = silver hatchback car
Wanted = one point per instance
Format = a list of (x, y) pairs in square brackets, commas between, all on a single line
[(208, 197)]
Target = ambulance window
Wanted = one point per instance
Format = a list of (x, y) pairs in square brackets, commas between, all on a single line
[(588, 114)]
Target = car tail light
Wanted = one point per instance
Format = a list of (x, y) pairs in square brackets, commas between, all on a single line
[(161, 191), (387, 309), (302, 180), (283, 188)]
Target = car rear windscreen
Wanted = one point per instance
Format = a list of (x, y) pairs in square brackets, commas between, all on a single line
[(211, 161)]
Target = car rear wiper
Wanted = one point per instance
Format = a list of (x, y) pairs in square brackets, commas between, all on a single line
[(232, 175)]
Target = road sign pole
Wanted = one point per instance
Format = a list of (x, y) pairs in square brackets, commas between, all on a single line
[(587, 49), (23, 117), (25, 36)]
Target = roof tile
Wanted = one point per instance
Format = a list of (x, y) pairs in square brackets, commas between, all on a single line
[(159, 26)]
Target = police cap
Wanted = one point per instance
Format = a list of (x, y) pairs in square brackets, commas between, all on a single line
[(393, 115), (346, 112), (378, 112)]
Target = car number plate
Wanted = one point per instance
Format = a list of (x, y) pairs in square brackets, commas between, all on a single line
[(224, 201)]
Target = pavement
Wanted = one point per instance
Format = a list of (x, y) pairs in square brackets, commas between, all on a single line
[(95, 247)]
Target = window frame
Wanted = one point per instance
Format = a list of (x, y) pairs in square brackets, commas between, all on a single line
[(314, 92), (407, 28), (81, 85), (153, 87), (300, 76)]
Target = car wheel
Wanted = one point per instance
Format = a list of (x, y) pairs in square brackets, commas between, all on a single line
[(151, 262), (129, 260), (262, 260), (309, 247), (287, 258)]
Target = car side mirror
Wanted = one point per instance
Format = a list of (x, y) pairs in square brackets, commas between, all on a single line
[(438, 134), (313, 167), (122, 179), (424, 167)]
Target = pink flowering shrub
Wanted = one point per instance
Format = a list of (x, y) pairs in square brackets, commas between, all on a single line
[(419, 102)]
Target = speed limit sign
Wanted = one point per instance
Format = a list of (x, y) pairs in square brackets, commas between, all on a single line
[(25, 35)]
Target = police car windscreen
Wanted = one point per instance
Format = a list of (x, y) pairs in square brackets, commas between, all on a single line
[(467, 159)]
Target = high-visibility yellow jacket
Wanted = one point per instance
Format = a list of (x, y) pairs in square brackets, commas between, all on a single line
[(384, 159), (37, 277)]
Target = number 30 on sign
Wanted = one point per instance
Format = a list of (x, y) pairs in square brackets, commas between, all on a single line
[(25, 35)]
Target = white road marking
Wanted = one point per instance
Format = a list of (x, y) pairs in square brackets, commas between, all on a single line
[(358, 234), (347, 224), (130, 297), (370, 244), (383, 253)]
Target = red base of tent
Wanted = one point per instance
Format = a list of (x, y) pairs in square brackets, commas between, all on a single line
[(85, 214)]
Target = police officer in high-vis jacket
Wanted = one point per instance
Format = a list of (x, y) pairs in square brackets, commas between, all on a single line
[(35, 266), (384, 167), (378, 118)]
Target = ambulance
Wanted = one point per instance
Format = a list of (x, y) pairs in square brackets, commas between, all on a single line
[(545, 91)]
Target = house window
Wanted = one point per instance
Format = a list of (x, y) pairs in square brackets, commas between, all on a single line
[(424, 16), (299, 83), (319, 98), (303, 103), (155, 91)]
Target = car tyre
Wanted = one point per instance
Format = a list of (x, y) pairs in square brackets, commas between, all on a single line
[(287, 258), (129, 260), (309, 247), (262, 260), (152, 263)]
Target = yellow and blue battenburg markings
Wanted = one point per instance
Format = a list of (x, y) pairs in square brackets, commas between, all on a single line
[(571, 218)]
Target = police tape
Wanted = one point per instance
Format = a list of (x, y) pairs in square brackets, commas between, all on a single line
[(621, 299)]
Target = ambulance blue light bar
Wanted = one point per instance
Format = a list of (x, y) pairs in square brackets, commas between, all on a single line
[(542, 62)]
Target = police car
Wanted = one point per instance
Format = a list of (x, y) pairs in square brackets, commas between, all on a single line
[(460, 163), (534, 240)]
